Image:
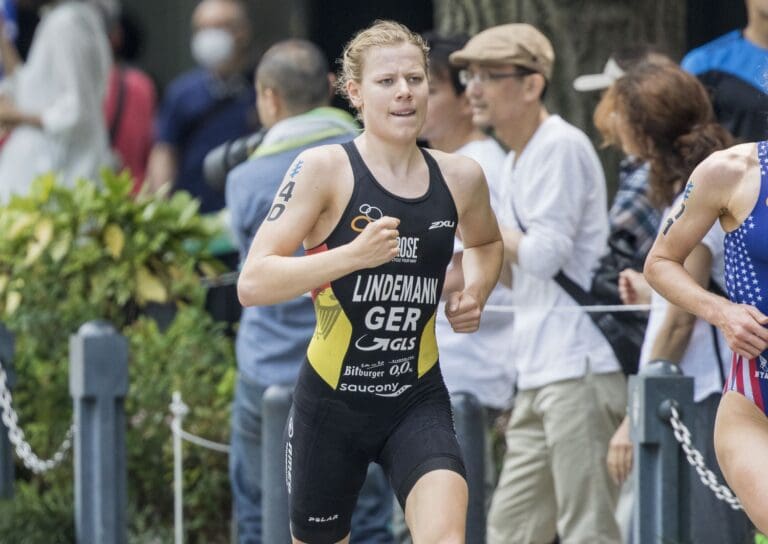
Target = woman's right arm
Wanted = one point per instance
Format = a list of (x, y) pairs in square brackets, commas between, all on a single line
[(271, 273), (708, 195)]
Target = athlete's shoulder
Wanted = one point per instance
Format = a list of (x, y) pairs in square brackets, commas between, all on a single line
[(322, 159), (728, 165), (723, 171), (457, 167)]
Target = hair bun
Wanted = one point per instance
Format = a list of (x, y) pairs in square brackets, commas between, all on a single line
[(700, 142)]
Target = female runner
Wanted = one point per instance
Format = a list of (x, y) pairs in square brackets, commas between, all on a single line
[(377, 217), (730, 186)]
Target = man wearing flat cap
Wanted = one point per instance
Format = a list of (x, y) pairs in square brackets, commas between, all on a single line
[(571, 392)]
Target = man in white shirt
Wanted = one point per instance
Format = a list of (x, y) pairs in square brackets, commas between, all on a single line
[(571, 393), (52, 104)]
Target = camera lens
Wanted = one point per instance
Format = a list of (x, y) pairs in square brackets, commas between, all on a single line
[(220, 160)]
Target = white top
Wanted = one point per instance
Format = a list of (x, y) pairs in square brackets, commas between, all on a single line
[(558, 189), (699, 360), (479, 363), (63, 81)]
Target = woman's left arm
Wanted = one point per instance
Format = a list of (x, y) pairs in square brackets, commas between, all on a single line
[(483, 249)]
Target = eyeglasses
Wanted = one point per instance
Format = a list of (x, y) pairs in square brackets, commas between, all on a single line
[(483, 76)]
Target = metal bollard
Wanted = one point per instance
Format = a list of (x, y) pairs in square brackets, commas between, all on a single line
[(662, 509), (276, 404), (469, 420), (7, 471), (98, 383)]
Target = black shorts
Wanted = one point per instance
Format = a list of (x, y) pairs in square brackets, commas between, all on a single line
[(330, 440)]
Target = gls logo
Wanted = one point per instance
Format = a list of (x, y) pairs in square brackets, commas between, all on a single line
[(442, 224), (386, 344)]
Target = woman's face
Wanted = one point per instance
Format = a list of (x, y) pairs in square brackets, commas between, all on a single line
[(392, 94)]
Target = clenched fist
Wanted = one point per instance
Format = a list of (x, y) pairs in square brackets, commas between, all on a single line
[(463, 311), (744, 329), (377, 244)]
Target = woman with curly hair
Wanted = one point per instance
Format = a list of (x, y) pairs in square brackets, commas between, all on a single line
[(662, 115)]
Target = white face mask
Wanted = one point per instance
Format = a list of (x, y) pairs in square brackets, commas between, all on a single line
[(212, 47)]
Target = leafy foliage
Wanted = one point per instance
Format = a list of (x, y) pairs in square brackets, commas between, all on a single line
[(36, 516), (68, 256), (194, 357)]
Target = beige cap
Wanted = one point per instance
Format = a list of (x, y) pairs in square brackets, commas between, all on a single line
[(517, 43)]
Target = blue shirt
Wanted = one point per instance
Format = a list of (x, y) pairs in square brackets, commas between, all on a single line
[(198, 113), (733, 70), (271, 340)]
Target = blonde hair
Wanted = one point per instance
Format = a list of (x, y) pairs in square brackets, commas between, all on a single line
[(380, 34)]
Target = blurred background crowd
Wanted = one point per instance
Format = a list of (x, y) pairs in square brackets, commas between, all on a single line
[(181, 94)]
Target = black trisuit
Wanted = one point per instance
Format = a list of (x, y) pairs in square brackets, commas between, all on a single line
[(371, 388)]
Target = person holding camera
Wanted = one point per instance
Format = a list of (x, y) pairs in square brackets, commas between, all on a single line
[(293, 88)]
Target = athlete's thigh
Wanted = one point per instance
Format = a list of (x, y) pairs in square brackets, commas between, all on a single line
[(324, 470), (436, 507), (741, 441), (423, 441)]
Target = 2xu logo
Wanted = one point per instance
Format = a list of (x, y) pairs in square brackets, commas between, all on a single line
[(442, 224)]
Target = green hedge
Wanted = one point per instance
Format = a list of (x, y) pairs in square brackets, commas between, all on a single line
[(71, 255)]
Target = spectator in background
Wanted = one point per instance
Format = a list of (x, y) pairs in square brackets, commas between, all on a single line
[(571, 393), (129, 107), (634, 218), (478, 363), (207, 106), (663, 115), (733, 69), (294, 89), (52, 103)]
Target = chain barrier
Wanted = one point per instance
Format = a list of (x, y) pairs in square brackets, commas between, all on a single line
[(198, 441), (16, 434), (696, 460), (599, 308), (179, 411)]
